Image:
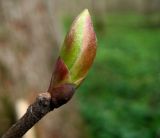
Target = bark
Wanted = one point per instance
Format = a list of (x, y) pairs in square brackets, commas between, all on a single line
[(44, 103), (34, 113)]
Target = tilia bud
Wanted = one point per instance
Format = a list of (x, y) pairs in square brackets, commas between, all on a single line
[(77, 53)]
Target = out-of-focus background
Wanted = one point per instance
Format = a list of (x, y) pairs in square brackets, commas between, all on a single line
[(120, 98)]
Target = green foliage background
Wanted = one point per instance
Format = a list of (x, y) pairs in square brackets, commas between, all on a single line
[(121, 95)]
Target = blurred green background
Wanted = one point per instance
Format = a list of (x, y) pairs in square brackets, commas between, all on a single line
[(120, 98)]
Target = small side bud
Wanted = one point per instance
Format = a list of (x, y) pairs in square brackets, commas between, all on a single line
[(62, 94)]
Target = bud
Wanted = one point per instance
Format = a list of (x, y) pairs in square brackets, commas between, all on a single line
[(77, 53)]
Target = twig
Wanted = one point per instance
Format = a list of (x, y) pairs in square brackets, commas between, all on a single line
[(34, 113), (44, 103)]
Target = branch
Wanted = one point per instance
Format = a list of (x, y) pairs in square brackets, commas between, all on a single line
[(45, 102), (34, 113)]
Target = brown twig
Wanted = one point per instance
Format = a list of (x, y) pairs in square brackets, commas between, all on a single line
[(44, 103), (34, 113)]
